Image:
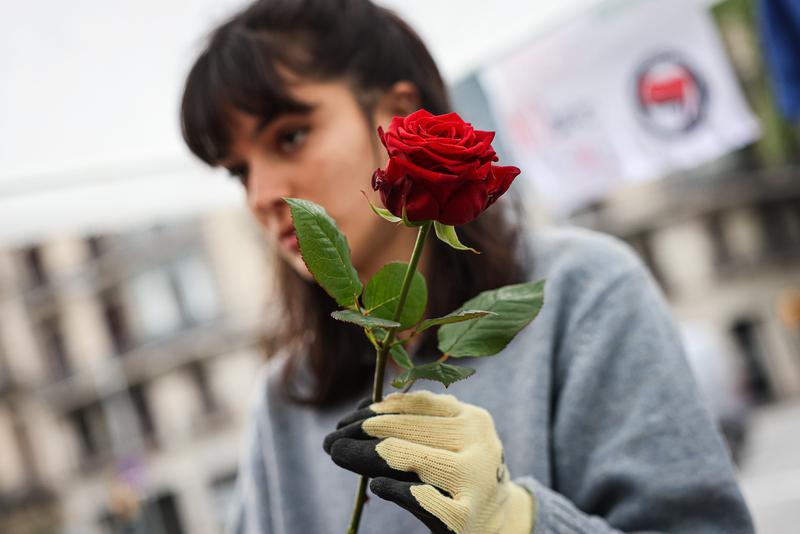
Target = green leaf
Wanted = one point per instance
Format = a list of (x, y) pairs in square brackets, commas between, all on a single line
[(383, 292), (455, 317), (351, 316), (438, 371), (515, 306), (401, 357), (448, 234), (383, 212), (325, 251), (379, 333)]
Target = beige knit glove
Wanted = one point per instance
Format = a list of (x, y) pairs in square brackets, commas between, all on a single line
[(438, 458)]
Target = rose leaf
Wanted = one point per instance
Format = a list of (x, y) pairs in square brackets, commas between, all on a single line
[(438, 371), (325, 251), (514, 307), (401, 357), (382, 294), (351, 316), (455, 317)]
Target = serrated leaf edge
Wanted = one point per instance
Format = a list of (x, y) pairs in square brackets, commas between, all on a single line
[(300, 203), (497, 291)]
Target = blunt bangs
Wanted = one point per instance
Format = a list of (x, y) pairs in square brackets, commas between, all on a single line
[(249, 63), (237, 71)]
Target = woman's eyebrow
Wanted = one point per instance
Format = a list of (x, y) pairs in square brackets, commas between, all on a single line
[(264, 122)]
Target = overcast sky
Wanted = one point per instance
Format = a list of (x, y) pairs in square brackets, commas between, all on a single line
[(89, 136)]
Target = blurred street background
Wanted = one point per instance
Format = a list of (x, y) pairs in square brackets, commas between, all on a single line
[(135, 289)]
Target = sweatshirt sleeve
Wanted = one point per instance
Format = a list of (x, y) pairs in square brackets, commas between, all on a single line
[(249, 512), (633, 447)]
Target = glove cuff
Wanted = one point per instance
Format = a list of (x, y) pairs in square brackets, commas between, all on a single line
[(520, 511)]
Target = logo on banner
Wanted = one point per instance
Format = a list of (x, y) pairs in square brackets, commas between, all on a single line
[(672, 98)]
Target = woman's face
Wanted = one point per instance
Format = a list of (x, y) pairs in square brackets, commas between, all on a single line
[(326, 155)]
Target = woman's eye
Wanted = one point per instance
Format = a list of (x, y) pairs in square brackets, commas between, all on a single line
[(291, 140)]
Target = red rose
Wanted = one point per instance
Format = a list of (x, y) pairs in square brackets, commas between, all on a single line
[(440, 168)]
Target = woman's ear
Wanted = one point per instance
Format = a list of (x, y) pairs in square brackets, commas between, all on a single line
[(400, 100)]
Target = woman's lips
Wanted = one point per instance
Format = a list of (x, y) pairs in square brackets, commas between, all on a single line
[(288, 241)]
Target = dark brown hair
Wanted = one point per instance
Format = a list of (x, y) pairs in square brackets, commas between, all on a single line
[(372, 49)]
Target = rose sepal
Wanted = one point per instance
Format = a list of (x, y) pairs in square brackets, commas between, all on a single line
[(448, 234), (410, 224), (383, 213)]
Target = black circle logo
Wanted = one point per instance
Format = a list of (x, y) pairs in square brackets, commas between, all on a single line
[(672, 98)]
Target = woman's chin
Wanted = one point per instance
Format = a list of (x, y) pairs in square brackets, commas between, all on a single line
[(292, 257), (300, 267)]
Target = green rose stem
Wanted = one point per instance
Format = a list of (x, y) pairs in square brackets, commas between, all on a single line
[(380, 365)]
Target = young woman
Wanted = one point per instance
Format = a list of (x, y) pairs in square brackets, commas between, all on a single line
[(588, 422)]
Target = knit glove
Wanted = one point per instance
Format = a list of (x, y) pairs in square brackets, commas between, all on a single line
[(438, 458)]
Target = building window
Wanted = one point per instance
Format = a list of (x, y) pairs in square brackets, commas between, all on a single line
[(199, 375), (746, 332), (167, 509), (35, 266), (776, 227), (5, 372), (160, 302), (97, 246), (157, 514), (223, 491), (91, 431), (116, 320), (54, 347), (144, 414), (723, 257), (83, 429), (166, 299), (195, 290), (792, 217), (642, 243), (155, 311)]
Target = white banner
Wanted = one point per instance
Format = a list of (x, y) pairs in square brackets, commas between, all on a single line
[(631, 91)]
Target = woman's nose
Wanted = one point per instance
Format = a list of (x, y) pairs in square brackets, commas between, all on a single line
[(265, 189)]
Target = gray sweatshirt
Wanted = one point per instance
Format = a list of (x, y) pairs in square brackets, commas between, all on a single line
[(594, 403)]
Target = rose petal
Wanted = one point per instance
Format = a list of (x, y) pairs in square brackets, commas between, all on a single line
[(464, 205), (393, 197), (394, 173), (421, 205), (420, 113), (425, 157), (484, 137), (429, 176), (499, 182)]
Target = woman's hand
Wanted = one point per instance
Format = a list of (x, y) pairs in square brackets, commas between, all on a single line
[(438, 458)]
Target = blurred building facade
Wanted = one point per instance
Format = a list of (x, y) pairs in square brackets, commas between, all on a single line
[(125, 362), (726, 250), (125, 359), (723, 240)]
